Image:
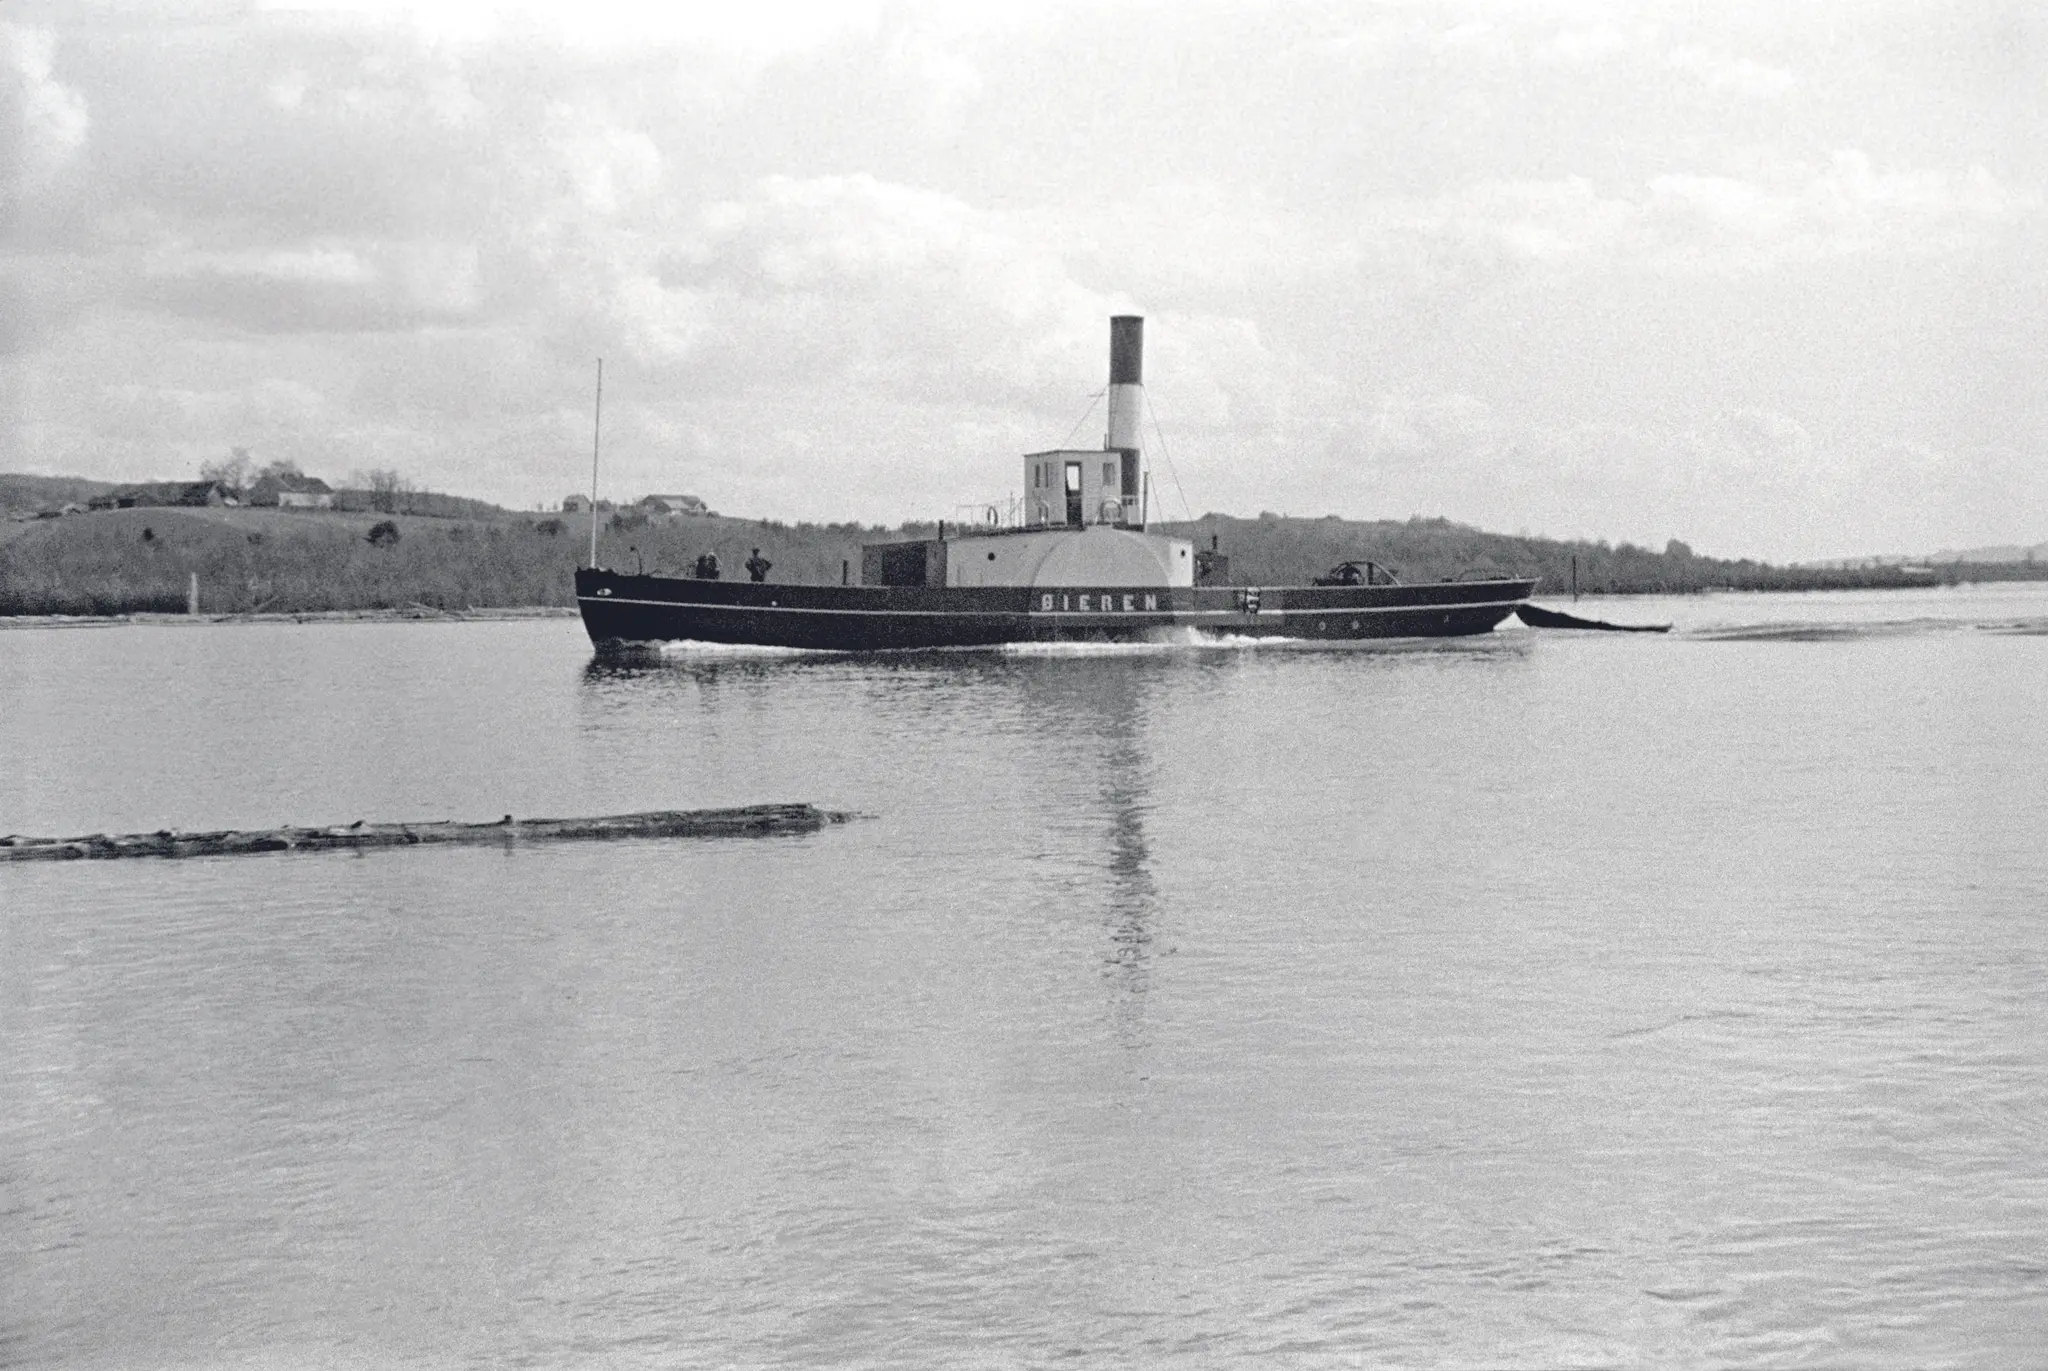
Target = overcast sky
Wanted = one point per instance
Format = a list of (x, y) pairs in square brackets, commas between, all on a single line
[(1770, 279)]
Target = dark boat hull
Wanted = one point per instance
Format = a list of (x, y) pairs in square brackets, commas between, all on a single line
[(620, 610)]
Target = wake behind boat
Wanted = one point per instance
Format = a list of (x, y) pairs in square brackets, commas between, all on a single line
[(1079, 567)]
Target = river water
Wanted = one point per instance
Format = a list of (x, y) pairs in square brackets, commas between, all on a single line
[(1533, 1000)]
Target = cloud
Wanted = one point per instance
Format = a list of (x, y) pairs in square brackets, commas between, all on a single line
[(1847, 207), (44, 123), (1742, 76), (1582, 46), (1716, 224), (1522, 265), (949, 77), (185, 414), (1438, 38), (1201, 242), (1523, 221), (756, 32), (19, 326), (924, 297), (853, 277), (1403, 430), (1745, 481), (315, 288)]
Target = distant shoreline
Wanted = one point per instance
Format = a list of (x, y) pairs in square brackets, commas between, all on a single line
[(427, 614), (313, 616), (264, 565)]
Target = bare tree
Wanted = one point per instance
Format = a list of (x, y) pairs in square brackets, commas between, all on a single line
[(387, 488), (232, 471)]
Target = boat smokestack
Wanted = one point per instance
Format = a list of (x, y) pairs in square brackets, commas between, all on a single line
[(1127, 350), (1126, 401)]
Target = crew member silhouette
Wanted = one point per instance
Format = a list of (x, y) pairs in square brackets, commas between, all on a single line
[(757, 566), (707, 566)]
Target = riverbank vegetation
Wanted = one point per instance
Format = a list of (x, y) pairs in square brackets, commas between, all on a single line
[(475, 556), (1276, 550)]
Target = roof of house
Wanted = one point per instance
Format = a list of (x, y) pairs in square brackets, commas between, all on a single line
[(165, 492)]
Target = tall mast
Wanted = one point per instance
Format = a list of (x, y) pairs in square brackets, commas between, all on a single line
[(596, 429)]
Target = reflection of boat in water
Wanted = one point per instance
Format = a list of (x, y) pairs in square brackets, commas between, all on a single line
[(1079, 566)]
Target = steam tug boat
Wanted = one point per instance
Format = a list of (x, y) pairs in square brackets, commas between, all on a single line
[(1080, 567)]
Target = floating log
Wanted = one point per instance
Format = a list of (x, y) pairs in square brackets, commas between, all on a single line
[(1551, 618), (746, 821)]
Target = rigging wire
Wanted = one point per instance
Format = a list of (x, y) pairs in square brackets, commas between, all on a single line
[(1160, 433), (1093, 401)]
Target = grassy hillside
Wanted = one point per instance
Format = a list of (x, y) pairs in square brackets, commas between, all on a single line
[(138, 560), (20, 494)]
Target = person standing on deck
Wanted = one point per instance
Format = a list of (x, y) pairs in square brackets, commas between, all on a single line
[(758, 566)]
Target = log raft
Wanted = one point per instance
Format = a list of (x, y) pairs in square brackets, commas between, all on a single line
[(747, 821)]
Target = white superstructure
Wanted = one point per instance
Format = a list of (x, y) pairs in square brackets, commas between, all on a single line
[(1084, 508), (1084, 517), (1075, 488), (1098, 555)]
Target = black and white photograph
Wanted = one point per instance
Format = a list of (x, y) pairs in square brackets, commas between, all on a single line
[(1299, 683)]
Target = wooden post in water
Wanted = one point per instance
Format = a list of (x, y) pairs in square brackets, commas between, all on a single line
[(192, 594)]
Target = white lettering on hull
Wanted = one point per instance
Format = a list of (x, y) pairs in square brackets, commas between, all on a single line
[(1096, 602)]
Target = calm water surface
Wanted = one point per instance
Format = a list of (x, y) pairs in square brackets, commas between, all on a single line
[(1533, 1000)]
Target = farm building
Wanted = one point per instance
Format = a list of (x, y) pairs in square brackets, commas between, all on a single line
[(673, 504), (291, 490)]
